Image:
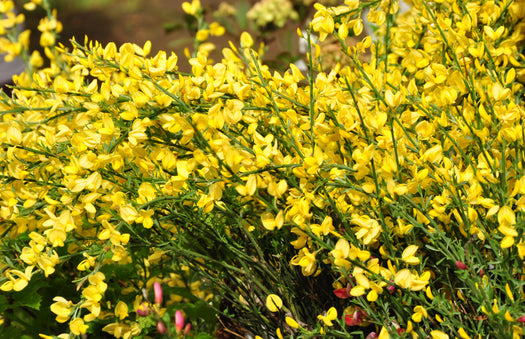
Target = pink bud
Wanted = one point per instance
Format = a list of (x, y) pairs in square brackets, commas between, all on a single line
[(461, 265), (391, 288), (372, 335), (187, 328), (143, 310), (161, 327), (521, 319), (179, 321), (158, 292)]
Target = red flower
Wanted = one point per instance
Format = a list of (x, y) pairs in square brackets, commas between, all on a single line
[(356, 318), (342, 293), (521, 319), (461, 265)]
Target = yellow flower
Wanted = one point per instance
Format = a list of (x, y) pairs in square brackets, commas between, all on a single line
[(438, 335), (368, 229), (330, 315), (202, 35), (291, 322), (408, 255), (463, 334), (306, 260), (419, 313), (216, 29), (62, 308), (507, 220), (274, 303), (121, 310), (323, 22), (18, 280), (193, 8), (270, 222), (77, 326)]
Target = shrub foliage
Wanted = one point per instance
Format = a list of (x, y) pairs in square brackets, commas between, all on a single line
[(384, 198)]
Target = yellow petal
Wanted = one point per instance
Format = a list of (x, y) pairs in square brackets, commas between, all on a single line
[(274, 303)]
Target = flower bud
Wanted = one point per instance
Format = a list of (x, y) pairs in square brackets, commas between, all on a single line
[(179, 321), (187, 328), (161, 327), (521, 319), (372, 335), (461, 265), (143, 310), (158, 292)]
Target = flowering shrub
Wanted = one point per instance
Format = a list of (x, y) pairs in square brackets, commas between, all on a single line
[(379, 199)]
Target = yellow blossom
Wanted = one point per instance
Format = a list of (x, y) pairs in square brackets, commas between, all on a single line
[(77, 326), (330, 315), (62, 308), (274, 303)]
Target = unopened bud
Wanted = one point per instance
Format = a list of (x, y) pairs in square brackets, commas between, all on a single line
[(179, 321), (158, 292), (143, 310), (461, 265), (187, 328), (161, 327)]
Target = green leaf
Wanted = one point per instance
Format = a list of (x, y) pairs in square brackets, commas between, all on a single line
[(10, 332), (3, 304), (146, 322), (241, 14), (29, 296)]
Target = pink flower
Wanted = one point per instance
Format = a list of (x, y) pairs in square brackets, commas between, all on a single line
[(179, 321), (158, 292), (187, 328), (461, 265), (161, 327), (143, 310)]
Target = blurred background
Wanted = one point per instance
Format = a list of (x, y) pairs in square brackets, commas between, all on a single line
[(164, 23)]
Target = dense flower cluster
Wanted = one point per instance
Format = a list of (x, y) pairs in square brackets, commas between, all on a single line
[(400, 180)]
